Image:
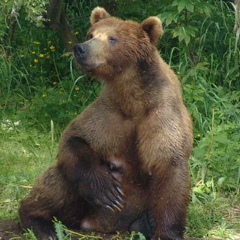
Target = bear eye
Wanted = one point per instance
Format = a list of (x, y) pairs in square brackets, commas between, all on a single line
[(113, 40)]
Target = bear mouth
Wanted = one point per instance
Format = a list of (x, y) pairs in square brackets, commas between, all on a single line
[(89, 66)]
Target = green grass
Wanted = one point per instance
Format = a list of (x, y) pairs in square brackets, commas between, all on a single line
[(215, 219), (24, 155)]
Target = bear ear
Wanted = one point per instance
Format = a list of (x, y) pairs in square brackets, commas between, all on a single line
[(153, 27), (98, 14)]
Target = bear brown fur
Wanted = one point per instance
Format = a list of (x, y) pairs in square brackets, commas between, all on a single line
[(126, 156)]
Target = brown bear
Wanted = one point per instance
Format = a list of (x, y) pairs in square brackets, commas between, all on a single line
[(123, 163)]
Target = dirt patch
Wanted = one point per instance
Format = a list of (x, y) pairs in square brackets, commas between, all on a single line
[(10, 229)]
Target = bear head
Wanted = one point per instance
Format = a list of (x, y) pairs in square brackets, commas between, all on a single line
[(113, 44)]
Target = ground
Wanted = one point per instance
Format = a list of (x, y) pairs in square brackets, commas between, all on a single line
[(10, 230)]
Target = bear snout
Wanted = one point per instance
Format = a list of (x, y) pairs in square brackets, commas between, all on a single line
[(80, 50)]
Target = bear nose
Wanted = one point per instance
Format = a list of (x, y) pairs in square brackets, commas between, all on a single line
[(80, 50)]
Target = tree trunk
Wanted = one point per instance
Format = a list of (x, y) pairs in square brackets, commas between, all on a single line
[(58, 21)]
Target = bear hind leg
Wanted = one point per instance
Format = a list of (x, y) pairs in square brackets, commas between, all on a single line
[(43, 229), (51, 196), (169, 203)]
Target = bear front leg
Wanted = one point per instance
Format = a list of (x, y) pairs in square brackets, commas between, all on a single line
[(170, 189), (88, 172)]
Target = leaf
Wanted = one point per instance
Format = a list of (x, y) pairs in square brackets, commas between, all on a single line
[(175, 3), (190, 7), (184, 4), (168, 17), (221, 180), (183, 36), (59, 228), (181, 6)]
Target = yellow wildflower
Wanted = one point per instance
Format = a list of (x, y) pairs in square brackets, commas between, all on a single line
[(36, 43), (44, 96), (199, 136), (67, 54), (33, 53), (41, 55), (52, 48), (36, 61)]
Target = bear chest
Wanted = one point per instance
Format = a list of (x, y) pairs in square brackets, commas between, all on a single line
[(114, 138), (109, 134)]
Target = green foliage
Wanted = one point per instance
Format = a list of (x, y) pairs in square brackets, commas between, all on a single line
[(30, 235), (24, 155), (200, 40), (216, 159), (79, 12), (11, 10), (59, 229), (60, 102), (137, 10), (38, 84), (207, 63), (136, 236), (181, 15), (211, 219), (63, 233), (208, 102)]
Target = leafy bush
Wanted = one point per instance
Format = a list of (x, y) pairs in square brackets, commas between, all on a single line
[(206, 59), (59, 103), (217, 158)]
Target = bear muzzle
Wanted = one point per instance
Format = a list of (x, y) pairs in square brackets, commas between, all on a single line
[(80, 51), (88, 54)]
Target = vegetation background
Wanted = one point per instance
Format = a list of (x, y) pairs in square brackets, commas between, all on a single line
[(41, 92)]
